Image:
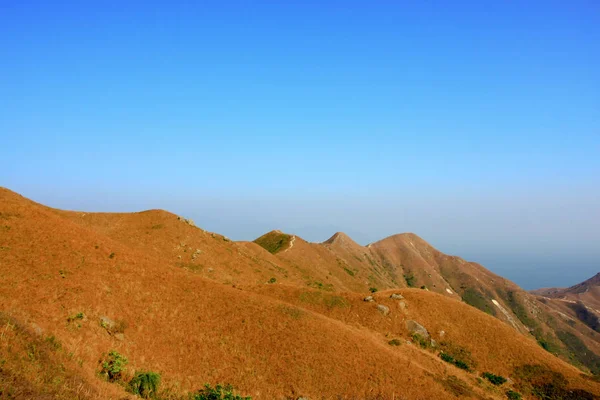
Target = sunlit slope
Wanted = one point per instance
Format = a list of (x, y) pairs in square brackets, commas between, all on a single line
[(190, 329), (289, 322)]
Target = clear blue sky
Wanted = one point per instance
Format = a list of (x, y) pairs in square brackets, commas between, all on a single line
[(475, 124)]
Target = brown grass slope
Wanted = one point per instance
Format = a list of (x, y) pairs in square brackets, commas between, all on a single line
[(269, 340), (34, 366), (558, 331), (189, 329), (490, 344), (406, 260)]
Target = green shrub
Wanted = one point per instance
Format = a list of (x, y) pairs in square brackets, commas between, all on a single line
[(272, 280), (145, 384), (113, 366), (219, 392), (512, 395), (372, 289), (75, 317), (112, 255), (395, 342), (349, 271), (462, 365), (458, 363), (410, 279), (53, 342), (494, 379), (458, 353), (421, 341)]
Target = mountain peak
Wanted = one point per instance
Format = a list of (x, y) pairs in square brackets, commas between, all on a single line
[(275, 241), (341, 238)]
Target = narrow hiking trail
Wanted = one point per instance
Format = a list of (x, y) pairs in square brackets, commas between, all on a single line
[(291, 243)]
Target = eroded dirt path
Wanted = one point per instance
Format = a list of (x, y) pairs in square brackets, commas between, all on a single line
[(291, 243)]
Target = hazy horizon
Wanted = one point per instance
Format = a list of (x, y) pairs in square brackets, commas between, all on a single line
[(475, 126)]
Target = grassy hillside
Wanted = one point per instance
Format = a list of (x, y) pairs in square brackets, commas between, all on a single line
[(78, 287)]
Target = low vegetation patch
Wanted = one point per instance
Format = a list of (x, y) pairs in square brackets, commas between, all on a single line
[(395, 342), (579, 352), (76, 317), (373, 289), (423, 342), (475, 298), (274, 242), (349, 271), (219, 392), (113, 366), (547, 342), (53, 342), (145, 384), (494, 379), (458, 363), (512, 395), (457, 355), (410, 279)]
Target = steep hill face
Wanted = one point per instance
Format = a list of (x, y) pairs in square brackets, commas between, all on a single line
[(553, 324), (199, 308), (579, 307)]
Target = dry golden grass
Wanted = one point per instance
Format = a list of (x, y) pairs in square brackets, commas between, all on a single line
[(269, 340)]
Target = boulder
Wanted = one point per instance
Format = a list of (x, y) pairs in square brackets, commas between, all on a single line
[(396, 296), (416, 328), (385, 310), (368, 298)]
